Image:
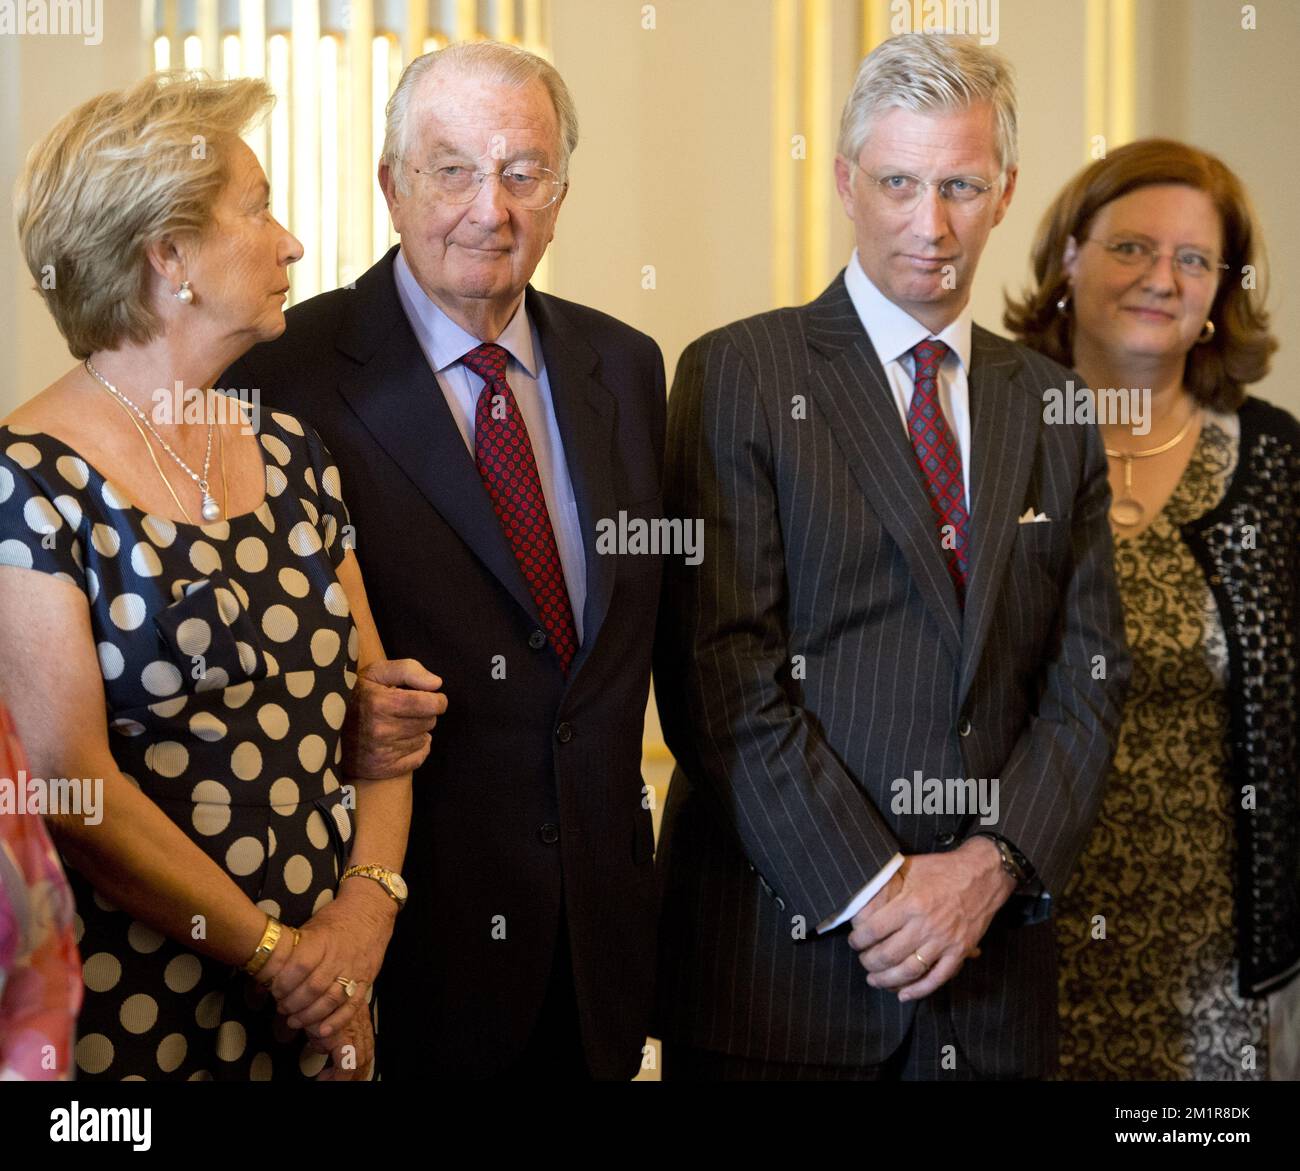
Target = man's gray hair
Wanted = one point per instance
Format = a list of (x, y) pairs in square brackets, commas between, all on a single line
[(927, 72), (487, 61)]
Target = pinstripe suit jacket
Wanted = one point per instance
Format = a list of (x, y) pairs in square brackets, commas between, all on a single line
[(818, 652)]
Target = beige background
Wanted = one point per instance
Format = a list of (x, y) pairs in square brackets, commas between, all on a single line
[(683, 150)]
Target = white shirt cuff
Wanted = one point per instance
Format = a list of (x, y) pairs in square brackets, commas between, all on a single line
[(863, 897)]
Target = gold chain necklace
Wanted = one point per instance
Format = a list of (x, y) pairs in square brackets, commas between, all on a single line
[(1126, 510), (221, 445)]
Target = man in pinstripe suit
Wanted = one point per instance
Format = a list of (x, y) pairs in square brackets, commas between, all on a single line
[(906, 591)]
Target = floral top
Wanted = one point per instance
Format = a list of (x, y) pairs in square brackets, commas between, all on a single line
[(40, 970)]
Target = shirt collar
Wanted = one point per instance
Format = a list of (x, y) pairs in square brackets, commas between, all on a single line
[(444, 342), (892, 330)]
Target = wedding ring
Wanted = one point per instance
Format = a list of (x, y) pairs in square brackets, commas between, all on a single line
[(349, 986), (921, 959)]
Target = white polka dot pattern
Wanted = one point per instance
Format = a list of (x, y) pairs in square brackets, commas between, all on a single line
[(221, 651)]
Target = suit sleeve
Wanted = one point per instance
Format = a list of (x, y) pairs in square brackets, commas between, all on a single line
[(1052, 782), (723, 659)]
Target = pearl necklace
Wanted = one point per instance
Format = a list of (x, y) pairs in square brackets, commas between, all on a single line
[(211, 510)]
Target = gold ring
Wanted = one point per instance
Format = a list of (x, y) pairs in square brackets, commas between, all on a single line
[(349, 986), (921, 958)]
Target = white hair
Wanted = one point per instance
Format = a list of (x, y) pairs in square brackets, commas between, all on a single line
[(488, 61), (926, 72)]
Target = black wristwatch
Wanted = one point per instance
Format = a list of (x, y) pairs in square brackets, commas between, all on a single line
[(1013, 861)]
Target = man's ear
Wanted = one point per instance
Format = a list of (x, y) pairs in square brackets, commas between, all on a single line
[(1008, 190), (843, 183), (388, 185)]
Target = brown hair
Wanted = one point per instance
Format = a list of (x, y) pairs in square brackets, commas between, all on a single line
[(1216, 372)]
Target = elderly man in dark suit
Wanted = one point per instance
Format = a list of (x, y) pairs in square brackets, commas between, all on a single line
[(893, 685), (484, 431)]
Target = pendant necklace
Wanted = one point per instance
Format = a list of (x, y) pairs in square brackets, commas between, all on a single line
[(210, 509), (1128, 511)]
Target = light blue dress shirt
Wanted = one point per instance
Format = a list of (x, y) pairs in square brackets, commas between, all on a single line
[(444, 344)]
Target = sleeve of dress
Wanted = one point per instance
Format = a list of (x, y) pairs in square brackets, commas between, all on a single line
[(336, 530), (40, 523)]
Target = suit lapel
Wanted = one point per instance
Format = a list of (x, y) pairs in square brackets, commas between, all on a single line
[(849, 385), (585, 412), (1004, 433), (397, 397)]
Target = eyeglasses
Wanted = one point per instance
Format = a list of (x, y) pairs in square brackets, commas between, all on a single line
[(1188, 262), (903, 192), (526, 185)]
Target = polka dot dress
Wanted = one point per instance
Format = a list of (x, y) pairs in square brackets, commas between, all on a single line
[(228, 654)]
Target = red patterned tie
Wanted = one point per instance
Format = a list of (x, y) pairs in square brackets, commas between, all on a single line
[(939, 455), (505, 461)]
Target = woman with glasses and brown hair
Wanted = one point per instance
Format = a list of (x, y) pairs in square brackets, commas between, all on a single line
[(1180, 931)]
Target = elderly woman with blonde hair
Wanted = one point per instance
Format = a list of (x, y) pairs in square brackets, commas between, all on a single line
[(1180, 931), (182, 621)]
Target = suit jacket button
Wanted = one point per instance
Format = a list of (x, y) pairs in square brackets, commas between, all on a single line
[(945, 839), (564, 733), (963, 729), (537, 639), (549, 833)]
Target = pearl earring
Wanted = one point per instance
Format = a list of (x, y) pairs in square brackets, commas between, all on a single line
[(185, 295), (1064, 303)]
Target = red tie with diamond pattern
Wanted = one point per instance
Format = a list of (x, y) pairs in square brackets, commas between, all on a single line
[(505, 461), (939, 455)]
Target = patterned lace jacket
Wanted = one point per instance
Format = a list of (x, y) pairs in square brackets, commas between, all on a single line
[(1249, 549)]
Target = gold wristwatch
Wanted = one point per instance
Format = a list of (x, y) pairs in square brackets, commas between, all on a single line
[(390, 880)]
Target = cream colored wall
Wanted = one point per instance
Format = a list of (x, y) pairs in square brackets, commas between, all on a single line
[(683, 144), (43, 79)]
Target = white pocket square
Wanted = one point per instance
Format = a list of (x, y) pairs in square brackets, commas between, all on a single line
[(1034, 518)]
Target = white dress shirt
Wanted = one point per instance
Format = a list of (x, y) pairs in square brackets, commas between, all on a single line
[(893, 333), (444, 344)]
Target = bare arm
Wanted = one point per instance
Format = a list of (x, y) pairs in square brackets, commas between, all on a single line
[(137, 856)]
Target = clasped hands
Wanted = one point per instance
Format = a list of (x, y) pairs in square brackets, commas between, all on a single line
[(345, 940), (916, 933), (394, 708)]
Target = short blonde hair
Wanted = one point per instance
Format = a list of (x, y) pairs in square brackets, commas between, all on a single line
[(488, 61), (929, 72), (119, 173)]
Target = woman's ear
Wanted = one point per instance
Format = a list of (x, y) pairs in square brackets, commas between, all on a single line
[(1070, 257), (166, 260)]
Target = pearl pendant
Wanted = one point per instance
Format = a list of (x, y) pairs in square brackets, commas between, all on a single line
[(211, 509)]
